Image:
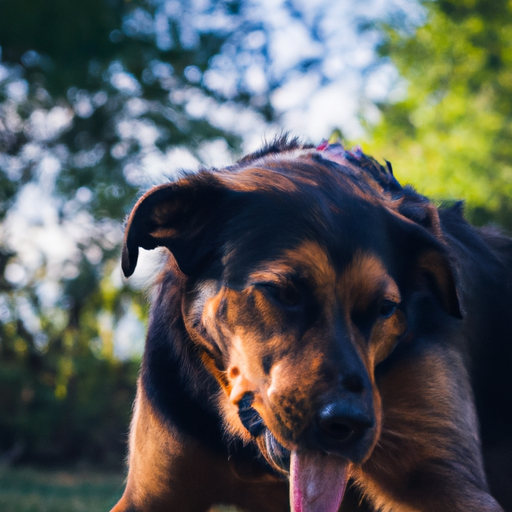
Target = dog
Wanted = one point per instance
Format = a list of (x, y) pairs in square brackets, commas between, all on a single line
[(321, 339)]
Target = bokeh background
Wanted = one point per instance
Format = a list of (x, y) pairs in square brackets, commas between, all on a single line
[(101, 99)]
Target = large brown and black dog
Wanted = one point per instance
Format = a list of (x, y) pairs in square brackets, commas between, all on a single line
[(318, 327)]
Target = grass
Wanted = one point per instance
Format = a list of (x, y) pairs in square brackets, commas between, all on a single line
[(36, 490), (42, 490)]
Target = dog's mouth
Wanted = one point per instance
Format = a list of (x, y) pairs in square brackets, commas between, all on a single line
[(317, 480), (275, 453)]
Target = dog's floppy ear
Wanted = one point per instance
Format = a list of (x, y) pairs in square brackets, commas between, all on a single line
[(182, 216), (427, 260), (434, 266)]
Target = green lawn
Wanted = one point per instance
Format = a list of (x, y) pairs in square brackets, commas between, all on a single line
[(36, 490), (41, 490)]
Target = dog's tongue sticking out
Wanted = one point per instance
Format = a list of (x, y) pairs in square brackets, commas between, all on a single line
[(317, 482)]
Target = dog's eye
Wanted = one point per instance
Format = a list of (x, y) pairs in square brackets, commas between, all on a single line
[(284, 294), (387, 308)]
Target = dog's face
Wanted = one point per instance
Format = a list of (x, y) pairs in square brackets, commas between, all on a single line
[(299, 275), (302, 334)]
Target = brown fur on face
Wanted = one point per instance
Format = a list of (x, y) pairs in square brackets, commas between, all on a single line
[(288, 368)]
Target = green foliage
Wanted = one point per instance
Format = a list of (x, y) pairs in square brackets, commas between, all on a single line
[(451, 135), (65, 404), (70, 398), (72, 33)]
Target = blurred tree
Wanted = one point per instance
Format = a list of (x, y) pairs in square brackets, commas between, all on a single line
[(451, 133), (89, 93)]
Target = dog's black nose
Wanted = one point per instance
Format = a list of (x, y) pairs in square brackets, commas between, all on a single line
[(345, 428), (341, 421)]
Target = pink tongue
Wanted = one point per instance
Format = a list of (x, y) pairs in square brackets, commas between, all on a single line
[(317, 482)]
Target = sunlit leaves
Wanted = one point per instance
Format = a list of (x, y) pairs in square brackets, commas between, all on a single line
[(451, 133)]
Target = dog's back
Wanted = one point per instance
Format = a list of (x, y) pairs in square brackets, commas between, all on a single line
[(486, 263)]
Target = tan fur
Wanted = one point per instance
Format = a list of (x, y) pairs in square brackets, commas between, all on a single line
[(416, 434), (365, 276), (153, 447)]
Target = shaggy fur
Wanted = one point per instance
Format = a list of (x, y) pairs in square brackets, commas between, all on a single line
[(302, 281)]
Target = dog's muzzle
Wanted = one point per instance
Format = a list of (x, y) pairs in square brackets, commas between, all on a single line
[(342, 433)]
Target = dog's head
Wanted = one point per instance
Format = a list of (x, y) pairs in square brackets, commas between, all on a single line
[(299, 263)]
